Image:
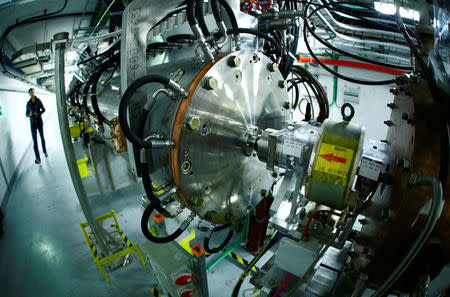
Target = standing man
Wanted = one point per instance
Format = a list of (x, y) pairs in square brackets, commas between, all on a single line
[(35, 109)]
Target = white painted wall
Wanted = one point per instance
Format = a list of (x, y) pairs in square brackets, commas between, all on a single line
[(15, 133), (371, 111)]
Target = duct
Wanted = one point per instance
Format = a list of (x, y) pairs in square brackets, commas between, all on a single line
[(378, 44), (375, 32), (363, 51), (29, 58)]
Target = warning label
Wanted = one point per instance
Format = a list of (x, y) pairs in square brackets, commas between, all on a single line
[(334, 160)]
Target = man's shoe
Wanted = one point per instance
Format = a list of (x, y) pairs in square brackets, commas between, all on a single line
[(37, 162), (46, 155)]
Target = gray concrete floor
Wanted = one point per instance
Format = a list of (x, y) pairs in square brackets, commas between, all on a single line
[(43, 251)]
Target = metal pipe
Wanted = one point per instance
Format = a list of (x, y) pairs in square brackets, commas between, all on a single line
[(98, 37), (437, 203), (60, 47), (394, 35), (399, 48), (100, 20)]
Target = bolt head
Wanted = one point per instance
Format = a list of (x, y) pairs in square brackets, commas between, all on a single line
[(194, 123), (272, 67), (287, 105), (363, 221), (302, 212), (385, 213), (186, 166), (408, 116), (282, 84), (394, 91), (234, 61), (391, 105), (197, 201), (404, 164), (211, 83)]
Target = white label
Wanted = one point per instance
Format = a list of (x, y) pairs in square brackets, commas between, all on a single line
[(370, 169), (292, 148)]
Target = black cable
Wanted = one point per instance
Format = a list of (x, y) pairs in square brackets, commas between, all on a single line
[(221, 227), (50, 14), (180, 38), (311, 106), (167, 16), (247, 270), (148, 188), (215, 10), (146, 179), (86, 88), (144, 226), (308, 112), (294, 84), (155, 203), (366, 16), (112, 74), (130, 91), (349, 79), (229, 12), (423, 66), (222, 245), (317, 89), (190, 13), (105, 53), (200, 17), (345, 53), (105, 66), (257, 33)]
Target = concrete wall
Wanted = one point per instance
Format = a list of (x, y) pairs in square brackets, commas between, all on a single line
[(15, 135)]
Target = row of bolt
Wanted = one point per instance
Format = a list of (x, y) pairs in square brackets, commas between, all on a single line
[(211, 82)]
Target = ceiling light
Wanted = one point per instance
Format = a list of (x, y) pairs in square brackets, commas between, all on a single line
[(389, 8)]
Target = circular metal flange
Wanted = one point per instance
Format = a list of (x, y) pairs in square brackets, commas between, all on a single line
[(227, 181)]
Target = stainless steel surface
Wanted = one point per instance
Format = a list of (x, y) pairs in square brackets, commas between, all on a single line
[(228, 181), (137, 19), (108, 96), (162, 115), (296, 257), (97, 231)]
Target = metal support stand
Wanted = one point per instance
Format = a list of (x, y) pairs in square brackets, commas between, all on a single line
[(60, 40)]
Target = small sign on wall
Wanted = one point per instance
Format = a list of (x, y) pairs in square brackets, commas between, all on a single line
[(351, 94)]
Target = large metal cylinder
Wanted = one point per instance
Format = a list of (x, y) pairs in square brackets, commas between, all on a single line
[(213, 173)]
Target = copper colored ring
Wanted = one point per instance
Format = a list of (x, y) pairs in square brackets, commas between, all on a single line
[(178, 124)]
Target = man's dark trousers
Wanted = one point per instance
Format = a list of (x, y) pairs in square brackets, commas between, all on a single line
[(36, 124)]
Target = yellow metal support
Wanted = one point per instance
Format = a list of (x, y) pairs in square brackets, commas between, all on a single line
[(156, 293), (82, 167), (241, 260), (184, 243), (75, 129), (99, 262)]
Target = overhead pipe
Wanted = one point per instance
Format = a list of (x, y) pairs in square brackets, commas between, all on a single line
[(353, 64)]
